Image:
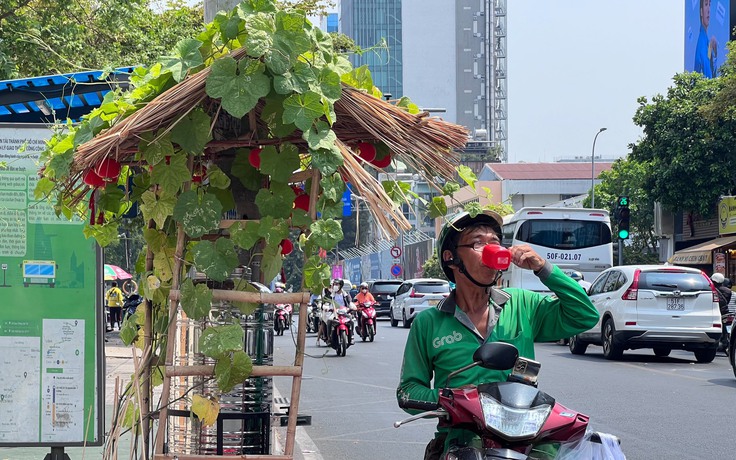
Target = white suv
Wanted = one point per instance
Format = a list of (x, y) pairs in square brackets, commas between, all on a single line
[(662, 307), (414, 296)]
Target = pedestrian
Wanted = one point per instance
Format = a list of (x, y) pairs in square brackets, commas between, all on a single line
[(724, 297), (444, 338), (114, 302)]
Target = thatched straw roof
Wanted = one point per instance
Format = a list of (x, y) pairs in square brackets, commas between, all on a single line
[(422, 142)]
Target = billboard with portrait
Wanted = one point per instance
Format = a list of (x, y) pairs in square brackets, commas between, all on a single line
[(707, 26)]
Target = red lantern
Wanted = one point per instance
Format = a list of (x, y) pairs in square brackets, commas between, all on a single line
[(92, 179), (302, 202), (383, 162), (286, 247), (367, 151), (199, 173), (255, 158), (108, 170)]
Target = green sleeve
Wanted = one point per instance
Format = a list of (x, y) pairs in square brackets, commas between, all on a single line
[(564, 314), (416, 370)]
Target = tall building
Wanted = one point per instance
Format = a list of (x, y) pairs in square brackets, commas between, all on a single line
[(448, 56), (371, 24)]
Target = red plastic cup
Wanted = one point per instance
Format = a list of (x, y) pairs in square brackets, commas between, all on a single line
[(496, 257)]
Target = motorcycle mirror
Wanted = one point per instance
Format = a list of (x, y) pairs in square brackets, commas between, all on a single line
[(496, 355)]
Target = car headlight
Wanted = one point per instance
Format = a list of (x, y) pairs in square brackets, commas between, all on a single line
[(514, 423)]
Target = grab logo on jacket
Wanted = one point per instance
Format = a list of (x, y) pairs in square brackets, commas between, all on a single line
[(448, 339)]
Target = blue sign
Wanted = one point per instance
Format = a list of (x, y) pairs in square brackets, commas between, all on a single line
[(347, 209), (396, 270)]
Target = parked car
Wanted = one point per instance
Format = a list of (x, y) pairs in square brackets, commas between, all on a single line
[(663, 307), (414, 296), (383, 291)]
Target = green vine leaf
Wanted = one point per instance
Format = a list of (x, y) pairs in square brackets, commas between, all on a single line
[(273, 114), (327, 160), (261, 28), (103, 234), (467, 175), (282, 164), (196, 300), (241, 168), (300, 218), (320, 136), (217, 178), (273, 230), (186, 57), (359, 78), (224, 196), (157, 208), (437, 207), (217, 260), (316, 274), (193, 132), (245, 234), (326, 233), (238, 85), (154, 148), (170, 176), (398, 191), (198, 214), (163, 264), (110, 199), (303, 109), (205, 409), (272, 261), (218, 341), (473, 208), (246, 308), (44, 188), (232, 370), (155, 239), (332, 188), (277, 201), (329, 84), (450, 188)]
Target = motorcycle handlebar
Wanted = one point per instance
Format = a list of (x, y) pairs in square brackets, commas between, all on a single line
[(419, 405)]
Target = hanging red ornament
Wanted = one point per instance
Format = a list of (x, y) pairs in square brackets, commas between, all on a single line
[(255, 158), (383, 162), (302, 202), (92, 179), (286, 247), (198, 174), (367, 151), (108, 170)]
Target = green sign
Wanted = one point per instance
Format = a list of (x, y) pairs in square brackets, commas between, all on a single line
[(50, 320)]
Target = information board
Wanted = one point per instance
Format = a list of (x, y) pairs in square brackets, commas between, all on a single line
[(51, 337)]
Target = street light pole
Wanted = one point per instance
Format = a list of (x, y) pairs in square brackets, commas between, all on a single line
[(592, 169)]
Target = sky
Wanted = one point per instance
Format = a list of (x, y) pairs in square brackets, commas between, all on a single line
[(576, 66)]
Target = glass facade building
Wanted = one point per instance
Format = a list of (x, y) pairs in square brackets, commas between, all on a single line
[(375, 26)]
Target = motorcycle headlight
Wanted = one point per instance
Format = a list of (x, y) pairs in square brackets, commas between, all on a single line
[(514, 423)]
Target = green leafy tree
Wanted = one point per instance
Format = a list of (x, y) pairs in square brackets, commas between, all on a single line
[(686, 152), (42, 37), (625, 178), (432, 269)]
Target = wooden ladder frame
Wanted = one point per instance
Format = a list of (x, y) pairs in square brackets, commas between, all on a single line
[(295, 371)]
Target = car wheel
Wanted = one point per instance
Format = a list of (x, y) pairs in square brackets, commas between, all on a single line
[(662, 351), (404, 322), (394, 322), (611, 350), (577, 346), (706, 355)]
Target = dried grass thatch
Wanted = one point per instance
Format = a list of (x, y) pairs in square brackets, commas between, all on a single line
[(422, 142)]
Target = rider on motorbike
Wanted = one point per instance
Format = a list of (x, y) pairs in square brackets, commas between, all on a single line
[(339, 297), (444, 338), (362, 298)]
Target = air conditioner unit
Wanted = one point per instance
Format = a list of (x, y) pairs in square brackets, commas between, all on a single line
[(664, 221)]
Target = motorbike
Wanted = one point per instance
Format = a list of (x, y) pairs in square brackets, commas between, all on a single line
[(131, 304), (338, 327), (513, 419), (281, 318), (367, 321), (313, 310)]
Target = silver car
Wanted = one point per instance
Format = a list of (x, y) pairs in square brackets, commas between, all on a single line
[(414, 296), (662, 307)]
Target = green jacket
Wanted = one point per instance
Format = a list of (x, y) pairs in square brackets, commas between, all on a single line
[(443, 339)]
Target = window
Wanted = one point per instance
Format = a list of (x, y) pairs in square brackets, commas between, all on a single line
[(611, 282), (432, 288), (597, 286), (564, 234), (668, 281)]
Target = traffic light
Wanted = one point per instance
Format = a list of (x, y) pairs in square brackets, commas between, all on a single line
[(622, 217)]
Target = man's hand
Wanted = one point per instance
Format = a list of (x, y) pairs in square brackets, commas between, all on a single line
[(525, 257)]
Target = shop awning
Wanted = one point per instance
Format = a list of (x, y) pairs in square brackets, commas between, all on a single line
[(700, 254)]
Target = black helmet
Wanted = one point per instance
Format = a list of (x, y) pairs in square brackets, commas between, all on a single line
[(456, 224)]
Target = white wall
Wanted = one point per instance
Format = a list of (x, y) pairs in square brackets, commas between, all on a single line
[(428, 41)]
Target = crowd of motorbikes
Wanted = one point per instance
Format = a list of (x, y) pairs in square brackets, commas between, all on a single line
[(335, 325)]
